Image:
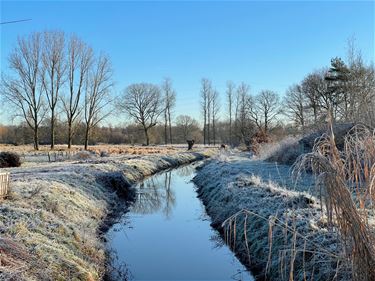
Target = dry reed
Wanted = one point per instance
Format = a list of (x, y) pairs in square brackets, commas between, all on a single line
[(347, 180)]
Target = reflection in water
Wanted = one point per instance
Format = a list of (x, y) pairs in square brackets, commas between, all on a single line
[(185, 171), (154, 194), (217, 241), (167, 235)]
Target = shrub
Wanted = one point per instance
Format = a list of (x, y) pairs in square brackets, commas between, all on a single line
[(285, 151), (9, 159)]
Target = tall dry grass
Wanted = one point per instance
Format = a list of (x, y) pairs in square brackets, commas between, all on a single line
[(347, 181), (290, 254)]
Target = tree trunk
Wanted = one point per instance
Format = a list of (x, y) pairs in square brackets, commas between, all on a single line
[(165, 127), (69, 135), (315, 115), (213, 132), (52, 129), (230, 120), (170, 126), (87, 133), (36, 137), (204, 129), (147, 137), (230, 129), (208, 133)]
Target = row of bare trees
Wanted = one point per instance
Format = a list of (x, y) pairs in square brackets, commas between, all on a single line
[(252, 113), (52, 73), (210, 105), (247, 114), (346, 90)]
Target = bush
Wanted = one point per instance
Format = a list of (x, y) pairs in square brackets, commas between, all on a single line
[(8, 159), (285, 151), (289, 149)]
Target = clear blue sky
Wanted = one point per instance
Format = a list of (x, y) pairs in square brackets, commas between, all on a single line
[(269, 45)]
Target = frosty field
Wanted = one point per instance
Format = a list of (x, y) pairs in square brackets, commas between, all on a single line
[(51, 225)]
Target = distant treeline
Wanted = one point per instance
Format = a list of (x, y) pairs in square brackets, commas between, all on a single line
[(130, 134), (62, 91)]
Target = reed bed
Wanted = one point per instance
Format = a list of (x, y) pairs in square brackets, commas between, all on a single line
[(347, 181)]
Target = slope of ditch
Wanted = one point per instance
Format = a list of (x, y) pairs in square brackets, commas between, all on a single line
[(276, 231), (51, 226)]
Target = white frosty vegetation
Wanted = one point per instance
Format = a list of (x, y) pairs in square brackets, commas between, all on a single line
[(273, 224), (51, 225)]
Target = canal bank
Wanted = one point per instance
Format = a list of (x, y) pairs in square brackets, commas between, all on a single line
[(272, 223), (167, 235), (52, 224)]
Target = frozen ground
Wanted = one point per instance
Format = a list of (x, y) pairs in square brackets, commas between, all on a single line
[(51, 224), (62, 153), (272, 223)]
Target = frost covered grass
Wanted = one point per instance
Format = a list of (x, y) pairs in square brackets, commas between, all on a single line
[(97, 149), (62, 153), (285, 151), (275, 226), (51, 226)]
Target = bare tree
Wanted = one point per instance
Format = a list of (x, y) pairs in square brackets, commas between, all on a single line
[(209, 113), (313, 86), (54, 70), (98, 87), (230, 100), (360, 87), (187, 125), (143, 103), (362, 93), (23, 89), (80, 58), (215, 111), (169, 103), (296, 105), (206, 89), (266, 109), (243, 113)]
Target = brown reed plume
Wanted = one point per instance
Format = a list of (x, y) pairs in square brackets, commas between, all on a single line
[(347, 181)]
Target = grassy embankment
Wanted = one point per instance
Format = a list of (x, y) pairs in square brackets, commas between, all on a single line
[(282, 233), (52, 224), (257, 218)]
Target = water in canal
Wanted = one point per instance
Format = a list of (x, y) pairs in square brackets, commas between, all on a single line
[(166, 235)]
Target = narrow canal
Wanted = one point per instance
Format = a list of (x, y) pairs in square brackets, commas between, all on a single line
[(166, 235)]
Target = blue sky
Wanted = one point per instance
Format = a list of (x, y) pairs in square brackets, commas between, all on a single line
[(269, 45)]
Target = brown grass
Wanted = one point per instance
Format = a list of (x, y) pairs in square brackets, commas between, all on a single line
[(347, 181), (97, 149)]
